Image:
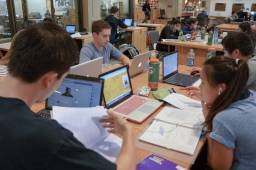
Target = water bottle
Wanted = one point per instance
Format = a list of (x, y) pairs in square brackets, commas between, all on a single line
[(210, 36), (203, 33), (215, 36), (191, 58), (153, 74)]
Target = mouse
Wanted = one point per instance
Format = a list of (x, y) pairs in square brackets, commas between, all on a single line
[(195, 72)]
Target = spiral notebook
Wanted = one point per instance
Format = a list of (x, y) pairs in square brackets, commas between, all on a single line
[(175, 129)]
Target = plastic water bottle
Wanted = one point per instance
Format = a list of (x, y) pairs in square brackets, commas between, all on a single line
[(191, 58), (153, 74), (215, 36)]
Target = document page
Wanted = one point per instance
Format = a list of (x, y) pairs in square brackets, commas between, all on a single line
[(85, 125)]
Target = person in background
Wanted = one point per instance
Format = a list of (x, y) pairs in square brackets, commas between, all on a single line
[(147, 10), (202, 19), (233, 16), (237, 45), (114, 22), (36, 67), (190, 26), (246, 28), (229, 110), (170, 31), (100, 46)]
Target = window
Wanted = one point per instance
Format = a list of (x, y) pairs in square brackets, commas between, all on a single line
[(5, 31), (220, 7), (237, 7), (123, 5)]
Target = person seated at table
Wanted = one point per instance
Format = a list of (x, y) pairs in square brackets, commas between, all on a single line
[(170, 31), (237, 45), (114, 21), (229, 110), (190, 26), (100, 46), (36, 68)]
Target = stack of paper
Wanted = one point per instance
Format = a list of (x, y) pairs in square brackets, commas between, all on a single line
[(3, 70), (85, 125), (177, 128)]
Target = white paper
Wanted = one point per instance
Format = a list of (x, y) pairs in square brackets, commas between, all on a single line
[(183, 102), (85, 125), (197, 83)]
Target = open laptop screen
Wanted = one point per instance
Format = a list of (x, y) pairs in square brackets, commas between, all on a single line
[(71, 29), (128, 22), (77, 91), (117, 86), (170, 64)]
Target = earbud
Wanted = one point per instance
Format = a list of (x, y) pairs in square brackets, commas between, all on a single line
[(220, 90)]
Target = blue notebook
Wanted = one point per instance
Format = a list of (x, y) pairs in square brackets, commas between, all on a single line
[(154, 162)]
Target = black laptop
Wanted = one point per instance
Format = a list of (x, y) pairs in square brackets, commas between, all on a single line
[(171, 74), (75, 91)]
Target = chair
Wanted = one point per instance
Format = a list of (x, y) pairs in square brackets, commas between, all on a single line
[(152, 38)]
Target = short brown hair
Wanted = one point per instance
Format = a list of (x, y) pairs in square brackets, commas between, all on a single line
[(98, 26), (39, 49), (234, 74), (114, 9)]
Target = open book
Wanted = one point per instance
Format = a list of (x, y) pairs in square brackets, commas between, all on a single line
[(175, 129), (85, 125)]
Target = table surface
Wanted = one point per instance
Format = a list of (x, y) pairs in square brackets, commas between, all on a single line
[(144, 149)]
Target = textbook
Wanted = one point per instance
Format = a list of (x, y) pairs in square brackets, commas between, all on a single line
[(85, 125), (154, 162), (175, 129)]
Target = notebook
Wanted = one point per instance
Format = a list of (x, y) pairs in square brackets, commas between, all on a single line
[(75, 91), (70, 28), (91, 68), (139, 64), (118, 94), (154, 162), (175, 129), (171, 74)]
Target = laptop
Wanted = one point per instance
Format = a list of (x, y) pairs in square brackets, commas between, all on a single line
[(70, 28), (171, 74), (139, 64), (128, 22), (75, 91), (118, 94), (92, 68)]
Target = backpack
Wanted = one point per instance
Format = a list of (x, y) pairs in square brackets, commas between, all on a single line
[(129, 50)]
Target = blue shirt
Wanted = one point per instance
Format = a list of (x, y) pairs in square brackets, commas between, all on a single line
[(90, 52), (235, 128)]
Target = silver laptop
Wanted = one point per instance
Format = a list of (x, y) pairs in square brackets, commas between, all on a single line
[(118, 94), (92, 68), (139, 64)]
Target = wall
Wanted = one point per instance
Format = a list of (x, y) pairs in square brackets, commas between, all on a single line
[(91, 12), (229, 4)]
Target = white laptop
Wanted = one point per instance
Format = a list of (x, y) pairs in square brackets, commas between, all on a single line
[(92, 68), (118, 94), (139, 64)]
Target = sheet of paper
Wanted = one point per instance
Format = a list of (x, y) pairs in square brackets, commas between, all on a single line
[(185, 118), (183, 102), (85, 125)]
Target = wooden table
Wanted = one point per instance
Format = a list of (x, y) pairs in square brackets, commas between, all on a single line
[(157, 27), (200, 48), (143, 149), (139, 37), (228, 27)]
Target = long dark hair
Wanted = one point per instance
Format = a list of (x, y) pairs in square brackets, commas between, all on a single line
[(234, 74)]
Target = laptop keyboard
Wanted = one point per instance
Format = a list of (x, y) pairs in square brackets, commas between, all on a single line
[(182, 79)]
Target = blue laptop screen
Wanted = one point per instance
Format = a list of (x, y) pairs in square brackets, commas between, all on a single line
[(76, 93), (128, 22), (71, 29), (116, 86), (170, 64)]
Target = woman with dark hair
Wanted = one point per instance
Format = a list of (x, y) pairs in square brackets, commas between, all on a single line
[(170, 31), (230, 117)]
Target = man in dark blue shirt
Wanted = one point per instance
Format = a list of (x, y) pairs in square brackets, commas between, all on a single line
[(39, 59)]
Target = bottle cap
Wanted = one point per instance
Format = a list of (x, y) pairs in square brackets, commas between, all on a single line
[(154, 59)]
